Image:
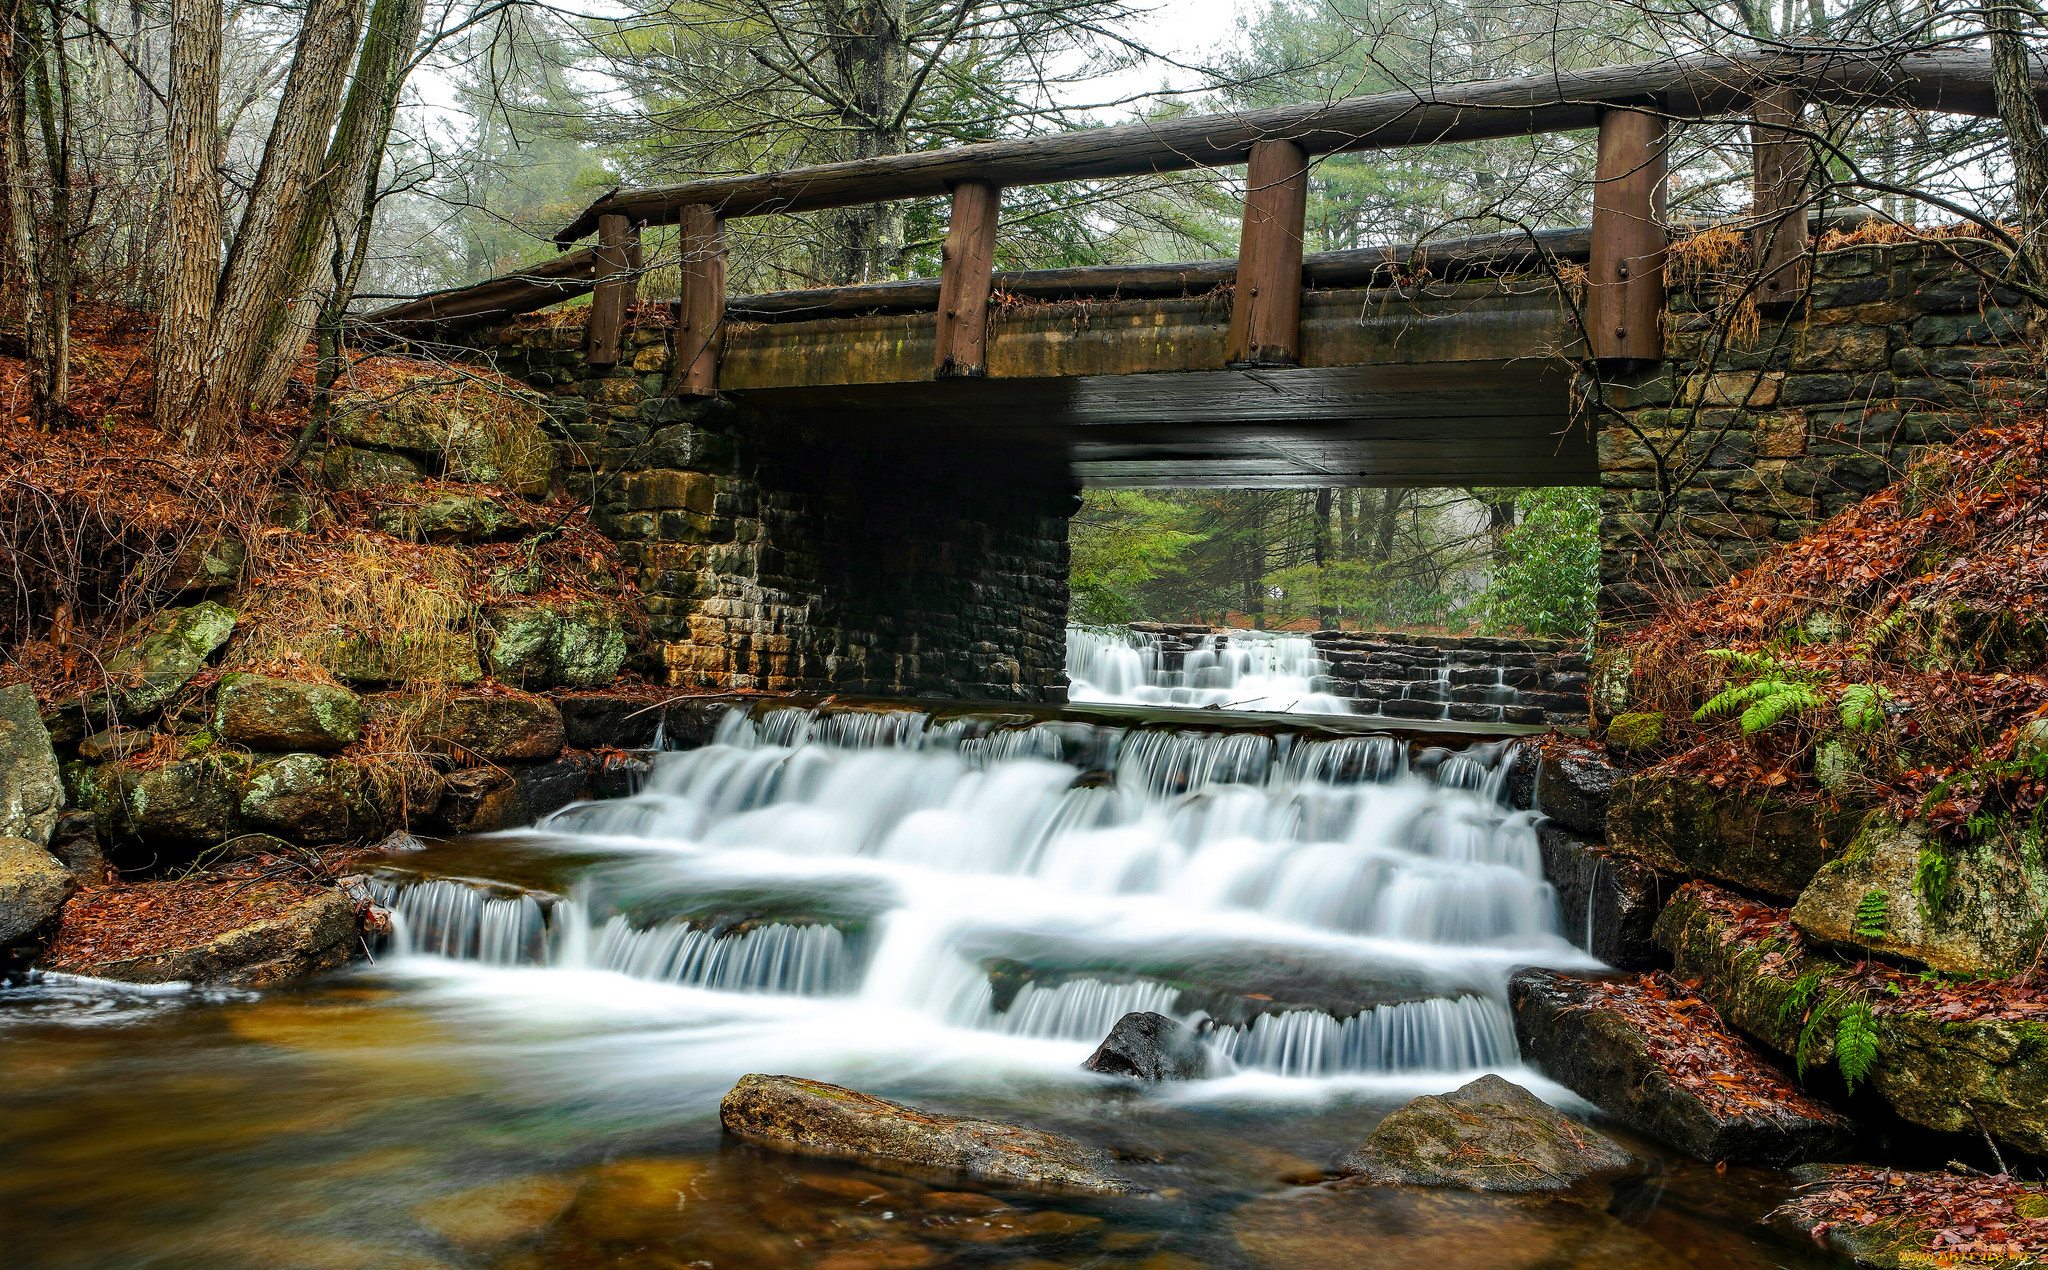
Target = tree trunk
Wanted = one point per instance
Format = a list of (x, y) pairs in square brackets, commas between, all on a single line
[(185, 294), (16, 48), (248, 290), (55, 116), (332, 206), (870, 53), (2020, 111)]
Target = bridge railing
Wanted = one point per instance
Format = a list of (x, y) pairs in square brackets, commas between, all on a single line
[(1630, 106)]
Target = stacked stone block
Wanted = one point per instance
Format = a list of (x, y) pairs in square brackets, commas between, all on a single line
[(781, 554), (1730, 448)]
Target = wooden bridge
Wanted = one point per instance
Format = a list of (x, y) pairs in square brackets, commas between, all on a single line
[(1326, 369)]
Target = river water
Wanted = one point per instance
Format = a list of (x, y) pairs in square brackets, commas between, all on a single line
[(950, 913), (1243, 670)]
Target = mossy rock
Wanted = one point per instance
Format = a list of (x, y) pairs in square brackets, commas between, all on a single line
[(300, 797), (419, 657), (170, 811), (539, 646), (171, 648), (1489, 1135), (1675, 823), (450, 518), (284, 714), (493, 727), (1986, 920), (1638, 730), (345, 467), (206, 564), (1932, 1072)]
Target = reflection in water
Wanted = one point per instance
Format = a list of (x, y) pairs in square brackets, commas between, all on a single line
[(937, 913)]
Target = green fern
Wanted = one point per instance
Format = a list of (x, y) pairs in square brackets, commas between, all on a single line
[(1801, 996), (1863, 707), (1776, 691), (1855, 1044), (1814, 1031), (1748, 663), (1873, 915), (1787, 699), (1931, 880)]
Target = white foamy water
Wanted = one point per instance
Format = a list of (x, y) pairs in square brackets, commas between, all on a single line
[(858, 889), (1243, 670)]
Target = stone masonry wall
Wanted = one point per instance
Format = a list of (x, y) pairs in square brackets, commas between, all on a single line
[(777, 554), (1729, 448)]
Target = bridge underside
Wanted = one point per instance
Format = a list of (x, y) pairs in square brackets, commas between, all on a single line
[(1466, 384)]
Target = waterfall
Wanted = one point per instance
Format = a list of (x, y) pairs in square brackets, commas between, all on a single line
[(1352, 911), (1240, 670)]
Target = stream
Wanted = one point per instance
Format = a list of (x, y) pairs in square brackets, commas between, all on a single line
[(948, 911)]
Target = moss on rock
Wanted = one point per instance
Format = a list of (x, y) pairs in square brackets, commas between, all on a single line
[(1675, 823), (284, 714)]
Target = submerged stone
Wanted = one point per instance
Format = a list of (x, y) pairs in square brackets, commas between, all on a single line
[(31, 786), (1149, 1046), (1489, 1135), (809, 1117), (1725, 1104)]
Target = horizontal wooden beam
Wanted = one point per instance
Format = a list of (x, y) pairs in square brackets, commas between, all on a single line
[(1957, 81), (524, 290), (1446, 258)]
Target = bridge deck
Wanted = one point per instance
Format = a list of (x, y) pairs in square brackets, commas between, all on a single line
[(1465, 383)]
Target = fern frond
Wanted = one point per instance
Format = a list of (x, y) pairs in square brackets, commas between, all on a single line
[(1728, 699), (1873, 915), (1855, 1044), (1769, 709), (1747, 663)]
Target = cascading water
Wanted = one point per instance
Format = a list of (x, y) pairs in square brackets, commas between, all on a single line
[(1242, 670), (886, 888)]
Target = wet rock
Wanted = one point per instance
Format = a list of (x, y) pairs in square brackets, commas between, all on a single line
[(426, 658), (1572, 788), (1489, 1135), (620, 776), (540, 646), (478, 800), (493, 727), (181, 805), (1677, 825), (1522, 759), (76, 841), (206, 564), (318, 933), (111, 744), (1933, 1072), (31, 787), (1149, 1046), (170, 649), (299, 796), (1631, 732), (1580, 1038), (284, 714), (1615, 896), (597, 721), (812, 1118), (1986, 920), (33, 885), (548, 787)]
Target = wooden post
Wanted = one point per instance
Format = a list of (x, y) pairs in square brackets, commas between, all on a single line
[(1265, 314), (617, 240), (967, 261), (1779, 235), (1625, 291), (700, 313)]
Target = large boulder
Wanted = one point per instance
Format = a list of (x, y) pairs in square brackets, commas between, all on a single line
[(346, 467), (1986, 919), (1489, 1135), (1607, 904), (446, 518), (33, 885), (299, 796), (493, 726), (1677, 824), (1572, 788), (808, 1117), (169, 650), (300, 935), (438, 657), (1149, 1046), (168, 809), (285, 714), (1941, 1067), (544, 646), (31, 788), (1661, 1061)]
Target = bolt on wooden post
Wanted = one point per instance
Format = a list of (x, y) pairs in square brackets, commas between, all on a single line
[(611, 301), (1781, 161), (967, 262), (1265, 313), (1625, 277), (700, 305)]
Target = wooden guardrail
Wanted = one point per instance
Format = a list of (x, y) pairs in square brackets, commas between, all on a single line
[(1629, 105)]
